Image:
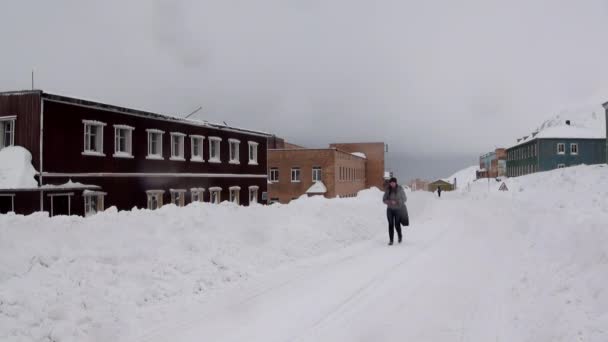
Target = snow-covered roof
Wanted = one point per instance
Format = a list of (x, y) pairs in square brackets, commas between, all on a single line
[(585, 123), (69, 186), (359, 154), (463, 176), (16, 170), (317, 188)]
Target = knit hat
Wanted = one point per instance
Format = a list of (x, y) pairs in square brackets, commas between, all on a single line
[(393, 180)]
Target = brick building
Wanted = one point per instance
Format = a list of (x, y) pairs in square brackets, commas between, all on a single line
[(493, 164), (342, 170)]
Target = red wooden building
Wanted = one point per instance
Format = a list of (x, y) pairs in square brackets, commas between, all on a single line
[(125, 157)]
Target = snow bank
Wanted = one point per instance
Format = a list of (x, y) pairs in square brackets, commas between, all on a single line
[(16, 170), (97, 278), (464, 176)]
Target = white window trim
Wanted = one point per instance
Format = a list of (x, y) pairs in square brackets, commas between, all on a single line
[(572, 145), (561, 165), (561, 144), (236, 161), (199, 191), (300, 174), (315, 168), (237, 190), (150, 193), (256, 189), (121, 154), (253, 144), (181, 192), (95, 123), (155, 156), (193, 158), (270, 176), (87, 194), (219, 195), (13, 119), (218, 159), (182, 138)]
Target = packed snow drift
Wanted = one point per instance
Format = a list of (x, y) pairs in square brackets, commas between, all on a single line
[(527, 264), (16, 170)]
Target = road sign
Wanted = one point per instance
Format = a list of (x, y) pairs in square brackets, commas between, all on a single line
[(503, 187)]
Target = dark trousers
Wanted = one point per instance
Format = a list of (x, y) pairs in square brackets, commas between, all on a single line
[(394, 222)]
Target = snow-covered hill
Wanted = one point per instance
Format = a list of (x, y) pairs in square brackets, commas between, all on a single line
[(464, 176), (528, 264)]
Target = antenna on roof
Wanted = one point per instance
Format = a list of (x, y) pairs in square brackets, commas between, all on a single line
[(194, 112), (225, 124), (32, 79)]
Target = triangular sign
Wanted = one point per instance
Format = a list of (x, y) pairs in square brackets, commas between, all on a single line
[(503, 187)]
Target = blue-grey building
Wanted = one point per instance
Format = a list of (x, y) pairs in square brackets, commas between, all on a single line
[(556, 147), (606, 109)]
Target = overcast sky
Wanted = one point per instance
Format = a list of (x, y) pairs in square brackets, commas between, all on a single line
[(439, 81)]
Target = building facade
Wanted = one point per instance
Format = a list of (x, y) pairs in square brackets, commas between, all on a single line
[(605, 105), (544, 154), (131, 158), (331, 172), (493, 164)]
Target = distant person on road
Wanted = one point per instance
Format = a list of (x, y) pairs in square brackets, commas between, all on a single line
[(439, 191), (394, 198)]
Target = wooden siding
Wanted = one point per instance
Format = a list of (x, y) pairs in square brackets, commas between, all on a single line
[(26, 107)]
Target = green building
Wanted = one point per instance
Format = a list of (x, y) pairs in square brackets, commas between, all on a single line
[(556, 147)]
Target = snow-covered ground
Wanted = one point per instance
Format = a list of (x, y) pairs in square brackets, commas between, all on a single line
[(529, 264), (464, 176)]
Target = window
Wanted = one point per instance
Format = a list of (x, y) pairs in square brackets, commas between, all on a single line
[(93, 138), (316, 174), (214, 149), (196, 194), (178, 197), (234, 194), (253, 194), (574, 149), (123, 137), (561, 166), (561, 148), (155, 144), (253, 153), (196, 148), (215, 194), (177, 146), (234, 151), (7, 131), (93, 202), (274, 175), (295, 175), (155, 199)]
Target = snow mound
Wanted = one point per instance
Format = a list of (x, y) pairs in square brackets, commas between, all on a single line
[(317, 188), (464, 176), (16, 170), (359, 154)]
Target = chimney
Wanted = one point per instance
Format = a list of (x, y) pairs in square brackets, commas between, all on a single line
[(568, 122)]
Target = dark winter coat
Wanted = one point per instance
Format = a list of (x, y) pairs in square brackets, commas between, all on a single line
[(398, 195)]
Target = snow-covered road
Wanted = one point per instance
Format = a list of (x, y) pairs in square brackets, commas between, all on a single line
[(433, 287)]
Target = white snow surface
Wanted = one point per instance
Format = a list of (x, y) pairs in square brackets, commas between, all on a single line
[(529, 264), (16, 170), (359, 154), (317, 188), (464, 176), (586, 122)]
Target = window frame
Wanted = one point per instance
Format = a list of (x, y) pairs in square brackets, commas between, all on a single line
[(99, 204), (297, 171), (315, 170), (254, 189), (180, 154), (179, 196), (201, 140), (98, 138), (199, 194), (574, 153), (253, 147), (215, 190), (217, 159), (128, 141), (561, 166), (158, 194), (12, 120), (232, 143), (558, 148), (234, 190), (271, 180), (157, 156)]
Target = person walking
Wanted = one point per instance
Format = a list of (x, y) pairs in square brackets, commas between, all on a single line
[(439, 191), (394, 198)]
